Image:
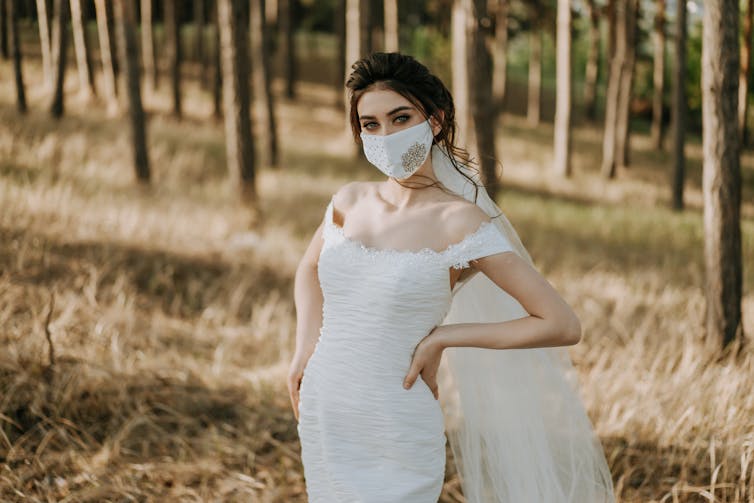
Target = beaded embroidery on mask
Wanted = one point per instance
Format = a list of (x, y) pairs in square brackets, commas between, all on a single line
[(413, 157)]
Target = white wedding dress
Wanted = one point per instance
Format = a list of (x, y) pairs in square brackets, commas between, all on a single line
[(365, 438)]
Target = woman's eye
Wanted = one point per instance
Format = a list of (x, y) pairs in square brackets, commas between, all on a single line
[(372, 125)]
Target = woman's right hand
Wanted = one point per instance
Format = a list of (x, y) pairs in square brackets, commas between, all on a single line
[(295, 374)]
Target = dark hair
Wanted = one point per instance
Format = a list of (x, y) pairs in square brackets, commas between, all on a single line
[(412, 80)]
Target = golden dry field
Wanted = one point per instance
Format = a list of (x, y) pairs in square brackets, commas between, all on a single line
[(173, 322)]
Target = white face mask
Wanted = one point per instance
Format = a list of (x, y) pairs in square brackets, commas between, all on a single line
[(399, 154)]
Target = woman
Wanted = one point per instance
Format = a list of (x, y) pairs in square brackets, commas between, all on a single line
[(390, 283)]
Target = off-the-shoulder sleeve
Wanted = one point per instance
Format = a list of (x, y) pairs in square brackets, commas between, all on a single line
[(485, 241), (328, 212), (328, 226)]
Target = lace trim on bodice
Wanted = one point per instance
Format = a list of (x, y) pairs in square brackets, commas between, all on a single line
[(456, 255)]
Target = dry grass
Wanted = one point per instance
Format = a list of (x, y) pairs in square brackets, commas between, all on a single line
[(173, 323)]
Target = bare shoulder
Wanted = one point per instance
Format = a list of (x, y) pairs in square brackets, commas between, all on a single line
[(463, 217), (347, 195)]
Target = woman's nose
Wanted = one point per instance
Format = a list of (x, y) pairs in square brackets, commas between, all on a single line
[(390, 129)]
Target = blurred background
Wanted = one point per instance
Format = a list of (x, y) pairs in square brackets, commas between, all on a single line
[(164, 164)]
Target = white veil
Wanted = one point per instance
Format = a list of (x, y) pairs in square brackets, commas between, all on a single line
[(514, 419)]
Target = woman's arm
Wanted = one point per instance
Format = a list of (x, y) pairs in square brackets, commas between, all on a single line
[(308, 299), (551, 321)]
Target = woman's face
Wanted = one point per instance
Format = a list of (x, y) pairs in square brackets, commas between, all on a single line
[(383, 111)]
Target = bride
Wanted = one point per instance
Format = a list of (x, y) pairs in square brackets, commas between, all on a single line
[(390, 284)]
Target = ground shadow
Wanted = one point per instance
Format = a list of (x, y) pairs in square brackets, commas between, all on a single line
[(180, 285), (135, 420)]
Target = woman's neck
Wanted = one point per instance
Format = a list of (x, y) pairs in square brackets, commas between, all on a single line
[(412, 190)]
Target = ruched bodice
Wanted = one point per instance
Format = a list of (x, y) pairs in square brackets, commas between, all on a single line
[(364, 438)]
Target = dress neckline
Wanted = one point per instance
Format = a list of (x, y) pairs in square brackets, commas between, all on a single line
[(423, 251)]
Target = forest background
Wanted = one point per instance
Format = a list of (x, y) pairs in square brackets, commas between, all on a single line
[(160, 181)]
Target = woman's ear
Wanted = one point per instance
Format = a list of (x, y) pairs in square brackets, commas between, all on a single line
[(436, 121)]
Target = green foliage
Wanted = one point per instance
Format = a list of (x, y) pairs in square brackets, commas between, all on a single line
[(315, 15), (518, 61), (579, 55), (431, 47), (425, 35)]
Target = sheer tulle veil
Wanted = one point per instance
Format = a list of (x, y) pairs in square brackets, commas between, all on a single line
[(514, 419)]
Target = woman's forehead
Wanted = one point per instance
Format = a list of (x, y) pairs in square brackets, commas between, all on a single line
[(380, 102)]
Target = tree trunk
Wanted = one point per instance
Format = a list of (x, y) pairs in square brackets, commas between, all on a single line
[(287, 47), (365, 19), (459, 55), (483, 111), (4, 29), (593, 60), (107, 57), (198, 31), (500, 54), (743, 82), (86, 88), (612, 28), (391, 25), (562, 139), (613, 89), (15, 48), (236, 99), (128, 52), (262, 81), (113, 40), (623, 128), (88, 47), (148, 53), (59, 50), (340, 59), (44, 41), (217, 84), (201, 21), (658, 80), (271, 12), (535, 73), (353, 45), (679, 107), (173, 48), (722, 171)]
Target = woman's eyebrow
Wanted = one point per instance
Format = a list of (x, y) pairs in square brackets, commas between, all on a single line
[(391, 112)]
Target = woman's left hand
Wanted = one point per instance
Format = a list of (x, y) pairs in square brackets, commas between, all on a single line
[(426, 361)]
